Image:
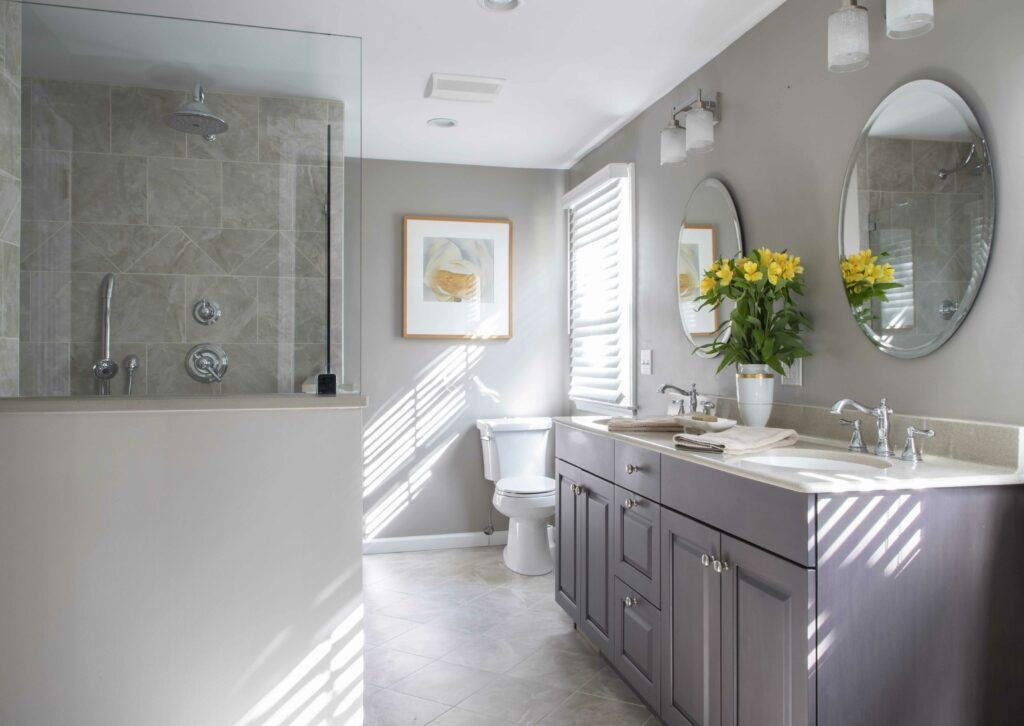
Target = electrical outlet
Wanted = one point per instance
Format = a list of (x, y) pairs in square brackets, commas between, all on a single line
[(646, 362), (794, 374)]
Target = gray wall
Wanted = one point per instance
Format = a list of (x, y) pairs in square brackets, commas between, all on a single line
[(421, 455), (10, 192), (788, 129)]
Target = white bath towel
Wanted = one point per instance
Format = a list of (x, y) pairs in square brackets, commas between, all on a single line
[(737, 440), (667, 424)]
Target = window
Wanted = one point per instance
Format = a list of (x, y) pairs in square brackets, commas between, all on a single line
[(601, 319)]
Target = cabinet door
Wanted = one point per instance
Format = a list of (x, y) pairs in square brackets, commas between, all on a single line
[(691, 599), (637, 642), (567, 549), (595, 525), (767, 607), (637, 544)]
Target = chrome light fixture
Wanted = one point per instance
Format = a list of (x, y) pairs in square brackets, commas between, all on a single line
[(695, 133), (848, 48), (499, 5), (909, 18)]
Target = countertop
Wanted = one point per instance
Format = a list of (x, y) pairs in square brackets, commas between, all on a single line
[(934, 472), (114, 404)]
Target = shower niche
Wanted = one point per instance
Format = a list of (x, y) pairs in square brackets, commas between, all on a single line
[(203, 168)]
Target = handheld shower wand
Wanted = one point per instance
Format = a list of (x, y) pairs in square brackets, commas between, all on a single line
[(106, 367)]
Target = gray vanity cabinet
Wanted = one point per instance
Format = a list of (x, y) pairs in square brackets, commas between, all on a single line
[(637, 641), (636, 550), (595, 522), (567, 546)]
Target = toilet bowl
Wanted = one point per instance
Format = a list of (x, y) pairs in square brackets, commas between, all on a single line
[(516, 460)]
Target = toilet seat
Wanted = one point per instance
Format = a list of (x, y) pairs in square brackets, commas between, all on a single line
[(525, 486)]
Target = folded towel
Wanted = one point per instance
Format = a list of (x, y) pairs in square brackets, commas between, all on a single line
[(737, 440), (668, 424)]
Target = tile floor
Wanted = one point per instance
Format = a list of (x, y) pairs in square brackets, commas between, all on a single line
[(454, 638)]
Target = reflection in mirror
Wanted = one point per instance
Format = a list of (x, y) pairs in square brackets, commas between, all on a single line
[(710, 230), (917, 219)]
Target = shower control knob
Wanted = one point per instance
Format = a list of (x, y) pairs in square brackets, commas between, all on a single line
[(206, 312), (207, 363)]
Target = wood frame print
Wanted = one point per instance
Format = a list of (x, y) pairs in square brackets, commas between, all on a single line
[(456, 278)]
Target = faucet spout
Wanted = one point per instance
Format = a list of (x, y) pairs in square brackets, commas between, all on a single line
[(883, 416), (692, 394), (846, 403)]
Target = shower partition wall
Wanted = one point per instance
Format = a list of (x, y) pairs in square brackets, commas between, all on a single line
[(188, 164)]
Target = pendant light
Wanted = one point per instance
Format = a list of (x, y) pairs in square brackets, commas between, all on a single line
[(848, 48), (673, 143), (909, 18)]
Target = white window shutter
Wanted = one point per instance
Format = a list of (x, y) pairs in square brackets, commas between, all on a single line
[(601, 317)]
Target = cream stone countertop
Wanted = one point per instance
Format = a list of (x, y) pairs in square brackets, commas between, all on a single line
[(121, 404), (933, 473)]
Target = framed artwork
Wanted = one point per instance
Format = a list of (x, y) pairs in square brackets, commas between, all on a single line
[(696, 254), (457, 278)]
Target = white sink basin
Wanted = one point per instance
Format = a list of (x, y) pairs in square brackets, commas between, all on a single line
[(820, 461)]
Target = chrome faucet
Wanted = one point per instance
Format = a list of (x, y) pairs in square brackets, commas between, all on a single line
[(883, 417), (692, 393), (106, 367)]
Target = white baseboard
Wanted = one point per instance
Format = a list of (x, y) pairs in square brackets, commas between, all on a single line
[(453, 540)]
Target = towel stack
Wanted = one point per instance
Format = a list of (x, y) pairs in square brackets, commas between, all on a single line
[(737, 440), (666, 424)]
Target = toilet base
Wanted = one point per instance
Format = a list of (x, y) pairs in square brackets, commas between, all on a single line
[(527, 550)]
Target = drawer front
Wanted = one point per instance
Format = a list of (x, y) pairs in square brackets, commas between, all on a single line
[(638, 470), (776, 519), (637, 551), (589, 452), (638, 642)]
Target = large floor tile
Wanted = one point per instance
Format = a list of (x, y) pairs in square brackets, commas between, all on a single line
[(460, 717), (429, 640), (389, 708), (379, 629), (385, 666), (515, 700), (584, 710), (559, 668), (444, 682), (608, 684), (489, 653)]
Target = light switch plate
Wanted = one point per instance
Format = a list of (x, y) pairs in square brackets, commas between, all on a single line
[(794, 374), (646, 362)]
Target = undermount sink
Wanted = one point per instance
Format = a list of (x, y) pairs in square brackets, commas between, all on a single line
[(820, 461)]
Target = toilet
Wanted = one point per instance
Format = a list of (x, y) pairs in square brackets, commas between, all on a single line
[(516, 460)]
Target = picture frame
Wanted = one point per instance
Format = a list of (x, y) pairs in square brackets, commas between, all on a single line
[(456, 278), (697, 249)]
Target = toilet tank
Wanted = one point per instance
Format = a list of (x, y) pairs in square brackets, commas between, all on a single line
[(514, 446)]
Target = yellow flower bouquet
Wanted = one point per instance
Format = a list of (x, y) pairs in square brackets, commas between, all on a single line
[(866, 279), (765, 327)]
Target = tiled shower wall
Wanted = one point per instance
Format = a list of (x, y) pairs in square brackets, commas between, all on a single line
[(10, 192), (239, 221)]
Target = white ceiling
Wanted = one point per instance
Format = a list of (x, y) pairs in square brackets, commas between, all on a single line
[(576, 70)]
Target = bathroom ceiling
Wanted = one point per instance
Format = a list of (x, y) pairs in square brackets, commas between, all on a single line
[(576, 70)]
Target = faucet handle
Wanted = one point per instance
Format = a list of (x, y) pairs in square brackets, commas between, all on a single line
[(910, 450), (857, 440)]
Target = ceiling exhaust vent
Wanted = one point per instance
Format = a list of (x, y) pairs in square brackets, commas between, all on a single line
[(448, 87)]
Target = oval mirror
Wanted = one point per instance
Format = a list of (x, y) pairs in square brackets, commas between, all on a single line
[(916, 219), (710, 229)]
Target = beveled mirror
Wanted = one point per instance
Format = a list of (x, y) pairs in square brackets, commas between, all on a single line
[(710, 230), (916, 220)]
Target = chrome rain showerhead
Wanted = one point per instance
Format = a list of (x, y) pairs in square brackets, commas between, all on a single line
[(195, 117)]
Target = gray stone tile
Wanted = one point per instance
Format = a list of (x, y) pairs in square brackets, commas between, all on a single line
[(559, 668), (229, 248), (184, 192), (490, 653), (166, 374), (955, 215), (10, 127), (109, 189), (276, 322), (383, 666), (122, 244), (582, 709), (471, 618), (9, 367), (26, 113), (310, 309), (175, 253), (293, 130), (388, 708), (429, 640), (890, 165), (237, 298), (241, 141), (460, 717), (10, 210), (45, 309), (46, 185), (85, 355), (45, 369), (10, 297), (929, 158), (11, 24), (146, 308), (608, 684), (137, 121), (70, 115), (251, 195), (379, 629), (310, 193), (444, 682), (279, 257), (975, 180), (515, 700), (417, 608)]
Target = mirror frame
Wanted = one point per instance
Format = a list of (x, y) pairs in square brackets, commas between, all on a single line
[(721, 187), (974, 287)]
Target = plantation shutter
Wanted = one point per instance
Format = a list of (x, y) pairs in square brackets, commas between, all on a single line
[(601, 318)]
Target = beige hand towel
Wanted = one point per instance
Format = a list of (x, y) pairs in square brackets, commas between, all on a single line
[(737, 440), (668, 424)]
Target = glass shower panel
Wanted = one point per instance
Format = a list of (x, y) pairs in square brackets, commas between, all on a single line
[(178, 182)]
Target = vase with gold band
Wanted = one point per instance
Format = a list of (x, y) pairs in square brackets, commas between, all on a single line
[(755, 393)]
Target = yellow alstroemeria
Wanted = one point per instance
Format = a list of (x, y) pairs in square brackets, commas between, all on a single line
[(707, 284), (766, 256), (751, 273), (774, 272), (725, 274)]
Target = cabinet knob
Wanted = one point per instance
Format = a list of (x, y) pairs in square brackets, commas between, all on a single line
[(633, 468), (630, 601), (630, 503), (720, 566), (705, 560)]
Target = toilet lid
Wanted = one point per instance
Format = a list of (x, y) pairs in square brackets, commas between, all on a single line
[(526, 485)]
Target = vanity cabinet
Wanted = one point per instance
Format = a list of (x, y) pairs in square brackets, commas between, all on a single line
[(637, 641), (636, 549), (567, 547)]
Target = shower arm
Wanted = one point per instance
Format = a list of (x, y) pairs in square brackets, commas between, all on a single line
[(946, 173)]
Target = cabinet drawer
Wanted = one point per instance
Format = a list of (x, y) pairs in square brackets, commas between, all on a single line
[(776, 519), (638, 642), (637, 550), (638, 470), (589, 452)]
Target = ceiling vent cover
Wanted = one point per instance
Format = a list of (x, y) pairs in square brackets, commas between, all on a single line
[(449, 87)]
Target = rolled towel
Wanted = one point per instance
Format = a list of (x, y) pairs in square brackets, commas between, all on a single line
[(667, 424), (737, 440)]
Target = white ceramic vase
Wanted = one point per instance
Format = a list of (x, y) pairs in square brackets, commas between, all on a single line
[(755, 392)]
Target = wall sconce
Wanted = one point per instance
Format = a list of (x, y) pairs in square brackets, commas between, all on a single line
[(909, 18), (848, 48), (695, 133)]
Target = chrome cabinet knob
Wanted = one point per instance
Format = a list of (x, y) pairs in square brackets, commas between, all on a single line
[(630, 601), (633, 468), (705, 560), (630, 503), (720, 566)]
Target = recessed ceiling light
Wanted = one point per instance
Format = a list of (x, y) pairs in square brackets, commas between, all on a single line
[(443, 123), (499, 5)]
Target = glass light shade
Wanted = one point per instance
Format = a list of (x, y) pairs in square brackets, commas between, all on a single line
[(673, 145), (848, 39), (907, 18), (700, 130)]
